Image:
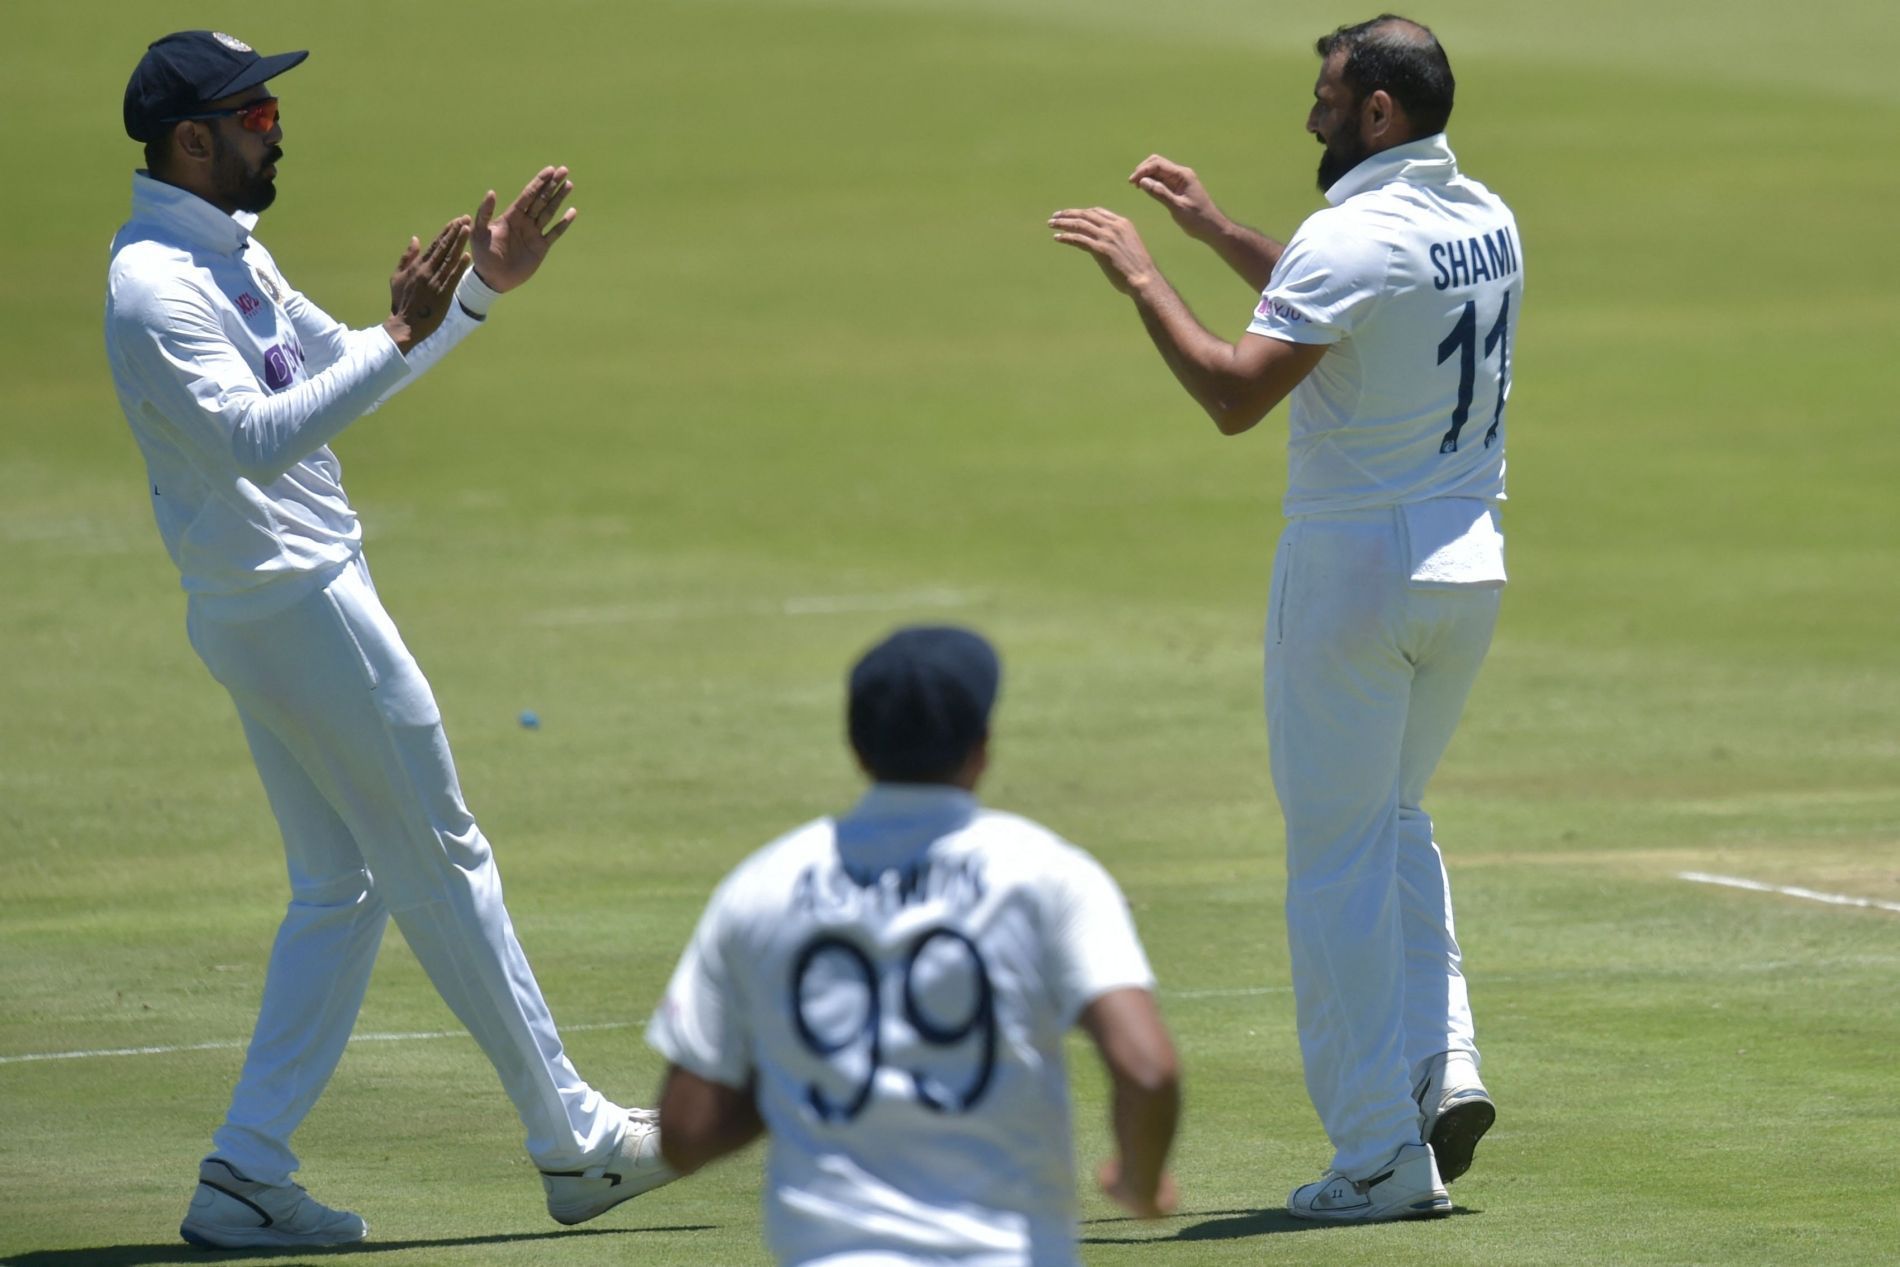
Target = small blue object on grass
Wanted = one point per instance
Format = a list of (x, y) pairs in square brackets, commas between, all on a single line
[(530, 720)]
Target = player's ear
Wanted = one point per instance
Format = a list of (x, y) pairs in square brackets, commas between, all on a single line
[(192, 139), (1380, 116), (975, 764)]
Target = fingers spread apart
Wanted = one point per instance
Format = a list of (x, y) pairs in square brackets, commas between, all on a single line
[(540, 201)]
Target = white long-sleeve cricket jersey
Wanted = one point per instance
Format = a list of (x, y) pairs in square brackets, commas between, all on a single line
[(234, 384)]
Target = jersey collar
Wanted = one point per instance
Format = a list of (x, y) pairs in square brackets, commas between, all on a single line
[(914, 800), (190, 218), (893, 821), (1427, 161)]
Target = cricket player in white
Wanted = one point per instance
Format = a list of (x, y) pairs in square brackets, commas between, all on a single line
[(1389, 320), (234, 384), (888, 991)]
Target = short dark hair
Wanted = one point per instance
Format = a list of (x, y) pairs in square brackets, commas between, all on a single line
[(1403, 58), (158, 154)]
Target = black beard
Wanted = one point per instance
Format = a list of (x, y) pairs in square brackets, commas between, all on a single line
[(242, 188), (1344, 152), (258, 195)]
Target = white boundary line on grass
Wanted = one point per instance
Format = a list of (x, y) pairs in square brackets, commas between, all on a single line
[(228, 1046), (1204, 992), (1787, 890)]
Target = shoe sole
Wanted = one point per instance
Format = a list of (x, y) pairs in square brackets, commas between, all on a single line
[(1456, 1134), (1434, 1207), (570, 1215), (261, 1238)]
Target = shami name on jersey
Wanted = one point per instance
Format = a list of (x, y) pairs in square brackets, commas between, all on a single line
[(1462, 261)]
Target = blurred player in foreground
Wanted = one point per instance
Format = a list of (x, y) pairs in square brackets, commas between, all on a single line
[(1389, 319), (886, 993), (234, 385)]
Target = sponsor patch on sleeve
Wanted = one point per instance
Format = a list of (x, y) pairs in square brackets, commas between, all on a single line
[(1280, 308)]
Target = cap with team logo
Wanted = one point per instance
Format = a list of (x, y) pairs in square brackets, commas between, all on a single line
[(920, 701), (186, 69)]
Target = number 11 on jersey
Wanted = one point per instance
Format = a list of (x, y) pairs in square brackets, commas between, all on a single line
[(1463, 340)]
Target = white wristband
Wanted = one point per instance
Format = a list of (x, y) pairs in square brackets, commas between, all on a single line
[(475, 295)]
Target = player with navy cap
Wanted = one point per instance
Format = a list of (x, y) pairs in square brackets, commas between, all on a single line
[(886, 992), (234, 385)]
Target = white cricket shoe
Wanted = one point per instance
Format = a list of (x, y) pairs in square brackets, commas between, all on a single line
[(635, 1166), (1407, 1187), (1455, 1111), (230, 1210)]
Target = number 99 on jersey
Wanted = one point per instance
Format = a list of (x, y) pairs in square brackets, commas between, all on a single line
[(920, 1025)]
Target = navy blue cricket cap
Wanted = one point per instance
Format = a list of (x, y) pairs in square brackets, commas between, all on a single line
[(920, 701), (186, 69)]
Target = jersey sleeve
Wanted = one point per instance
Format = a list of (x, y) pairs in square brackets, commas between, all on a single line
[(326, 340), (1329, 280), (701, 1022), (1092, 944), (473, 297), (175, 344)]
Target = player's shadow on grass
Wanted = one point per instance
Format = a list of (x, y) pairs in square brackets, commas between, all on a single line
[(179, 1252), (1218, 1225)]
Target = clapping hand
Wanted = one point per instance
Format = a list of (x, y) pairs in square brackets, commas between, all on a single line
[(509, 247), (1179, 190), (1112, 240), (423, 285)]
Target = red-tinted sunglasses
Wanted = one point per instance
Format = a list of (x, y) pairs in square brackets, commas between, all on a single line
[(253, 116)]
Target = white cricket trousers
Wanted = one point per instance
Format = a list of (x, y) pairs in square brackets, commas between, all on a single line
[(1367, 674), (349, 743)]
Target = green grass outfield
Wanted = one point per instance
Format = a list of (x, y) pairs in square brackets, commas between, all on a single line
[(807, 367)]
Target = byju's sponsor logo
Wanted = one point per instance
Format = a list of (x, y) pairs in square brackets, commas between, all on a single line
[(281, 364), (1270, 307)]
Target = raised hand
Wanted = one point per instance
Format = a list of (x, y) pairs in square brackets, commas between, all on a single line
[(1111, 239), (423, 285), (1179, 190), (508, 248)]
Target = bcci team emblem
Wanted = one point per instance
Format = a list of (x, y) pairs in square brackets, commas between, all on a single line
[(231, 42), (269, 284)]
